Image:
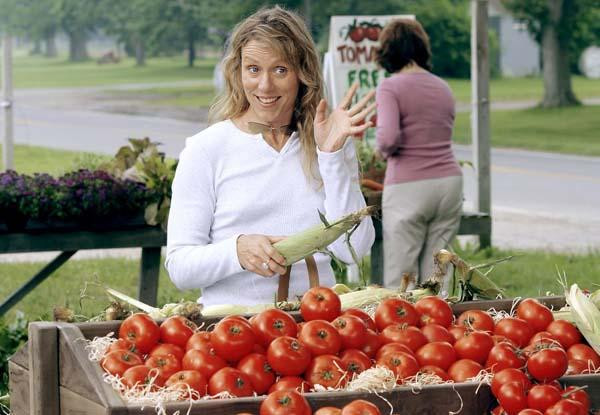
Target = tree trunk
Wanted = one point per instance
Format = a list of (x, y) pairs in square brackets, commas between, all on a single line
[(191, 49), (37, 47), (140, 52), (50, 43), (77, 46), (555, 62)]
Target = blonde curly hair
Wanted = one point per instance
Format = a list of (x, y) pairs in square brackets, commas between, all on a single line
[(286, 32)]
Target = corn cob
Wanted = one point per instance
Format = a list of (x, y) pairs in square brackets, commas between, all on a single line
[(317, 238), (467, 281)]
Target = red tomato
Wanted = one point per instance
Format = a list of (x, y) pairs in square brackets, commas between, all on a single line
[(355, 361), (357, 312), (372, 33), (440, 354), (285, 403), (141, 376), (290, 383), (357, 34), (273, 323), (230, 380), (185, 379), (434, 370), (326, 370), (475, 345), (407, 335), (122, 344), (434, 310), (509, 375), (457, 332), (535, 313), (288, 356), (565, 332), (141, 330), (205, 363), (464, 369), (320, 337), (177, 330), (403, 365), (512, 397), (579, 395), (476, 320), (328, 410), (360, 407), (530, 411), (259, 371), (502, 356), (514, 329), (394, 347), (577, 367), (320, 303), (548, 364), (352, 331), (232, 339), (163, 349), (543, 337), (165, 364), (395, 311), (542, 397), (437, 333), (199, 341), (566, 407), (372, 343), (117, 362), (583, 352)]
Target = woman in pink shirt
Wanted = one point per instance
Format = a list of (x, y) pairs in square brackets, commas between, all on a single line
[(422, 197)]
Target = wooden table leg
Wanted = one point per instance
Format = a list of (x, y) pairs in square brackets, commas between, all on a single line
[(149, 270)]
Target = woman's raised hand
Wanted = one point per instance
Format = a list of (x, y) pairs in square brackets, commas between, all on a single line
[(331, 131), (256, 254)]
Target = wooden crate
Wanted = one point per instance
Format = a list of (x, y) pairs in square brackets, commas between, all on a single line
[(52, 375)]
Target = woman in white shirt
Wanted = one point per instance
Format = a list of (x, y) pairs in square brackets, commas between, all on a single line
[(272, 159)]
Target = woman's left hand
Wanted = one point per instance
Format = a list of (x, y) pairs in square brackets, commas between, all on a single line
[(332, 131)]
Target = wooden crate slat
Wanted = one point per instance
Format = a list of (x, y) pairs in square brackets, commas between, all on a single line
[(21, 356), (18, 387), (81, 375), (43, 369), (73, 403), (505, 304)]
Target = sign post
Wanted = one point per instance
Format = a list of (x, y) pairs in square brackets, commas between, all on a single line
[(6, 103)]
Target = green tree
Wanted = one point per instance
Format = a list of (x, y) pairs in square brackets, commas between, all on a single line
[(560, 27), (78, 19)]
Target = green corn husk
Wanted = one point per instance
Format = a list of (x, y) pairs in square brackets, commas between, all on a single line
[(585, 315), (467, 282), (318, 238)]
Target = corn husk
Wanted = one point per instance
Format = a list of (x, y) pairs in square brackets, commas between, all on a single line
[(318, 238), (585, 315), (188, 309), (467, 282)]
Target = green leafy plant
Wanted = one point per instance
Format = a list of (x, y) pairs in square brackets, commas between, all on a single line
[(12, 337), (372, 165), (141, 161)]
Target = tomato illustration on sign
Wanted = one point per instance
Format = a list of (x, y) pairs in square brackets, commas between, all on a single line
[(357, 32)]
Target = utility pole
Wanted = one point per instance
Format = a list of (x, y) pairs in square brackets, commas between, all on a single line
[(480, 108), (6, 103)]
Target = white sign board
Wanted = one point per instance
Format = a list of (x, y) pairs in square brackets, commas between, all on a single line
[(353, 42)]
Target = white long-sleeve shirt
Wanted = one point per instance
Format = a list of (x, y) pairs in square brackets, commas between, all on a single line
[(230, 183)]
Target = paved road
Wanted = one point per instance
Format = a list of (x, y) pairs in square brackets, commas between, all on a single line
[(539, 200)]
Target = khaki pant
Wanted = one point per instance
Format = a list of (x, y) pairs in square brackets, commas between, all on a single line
[(419, 219)]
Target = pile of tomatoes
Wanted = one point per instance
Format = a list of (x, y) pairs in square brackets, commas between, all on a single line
[(272, 352), (290, 402)]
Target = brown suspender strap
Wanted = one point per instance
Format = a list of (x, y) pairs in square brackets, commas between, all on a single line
[(284, 280), (284, 285)]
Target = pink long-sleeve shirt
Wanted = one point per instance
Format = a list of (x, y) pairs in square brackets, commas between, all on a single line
[(415, 117)]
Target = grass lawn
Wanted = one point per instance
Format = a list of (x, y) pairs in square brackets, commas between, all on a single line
[(65, 285), (31, 159), (574, 130), (531, 273), (39, 72)]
